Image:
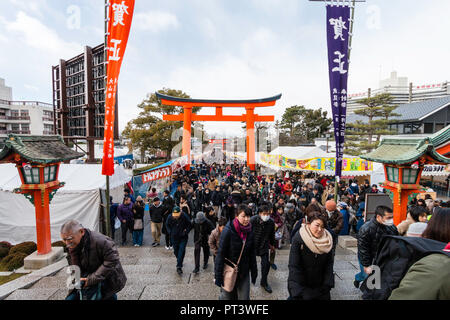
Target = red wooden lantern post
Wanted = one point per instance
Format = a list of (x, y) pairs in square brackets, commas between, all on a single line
[(37, 159)]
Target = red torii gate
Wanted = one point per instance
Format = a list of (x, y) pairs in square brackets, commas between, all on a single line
[(249, 117)]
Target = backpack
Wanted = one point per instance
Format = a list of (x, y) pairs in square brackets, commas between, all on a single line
[(395, 255)]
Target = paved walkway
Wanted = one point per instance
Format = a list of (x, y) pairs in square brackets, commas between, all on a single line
[(152, 275)]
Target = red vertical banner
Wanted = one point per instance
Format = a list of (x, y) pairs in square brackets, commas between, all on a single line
[(119, 24)]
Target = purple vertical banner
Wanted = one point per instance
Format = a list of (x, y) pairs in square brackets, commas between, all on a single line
[(338, 26)]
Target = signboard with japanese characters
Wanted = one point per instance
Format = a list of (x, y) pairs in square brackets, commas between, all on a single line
[(338, 21), (119, 24), (157, 174)]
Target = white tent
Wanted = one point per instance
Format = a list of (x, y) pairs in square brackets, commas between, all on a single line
[(299, 152), (79, 199)]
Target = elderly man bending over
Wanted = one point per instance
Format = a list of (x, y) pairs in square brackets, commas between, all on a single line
[(97, 257)]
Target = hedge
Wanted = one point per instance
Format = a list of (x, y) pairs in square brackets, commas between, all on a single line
[(25, 247), (12, 261)]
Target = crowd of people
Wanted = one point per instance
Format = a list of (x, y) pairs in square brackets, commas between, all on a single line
[(237, 216)]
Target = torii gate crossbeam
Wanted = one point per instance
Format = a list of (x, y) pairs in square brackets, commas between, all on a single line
[(249, 117)]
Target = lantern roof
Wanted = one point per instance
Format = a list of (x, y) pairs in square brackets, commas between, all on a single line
[(38, 149), (407, 150)]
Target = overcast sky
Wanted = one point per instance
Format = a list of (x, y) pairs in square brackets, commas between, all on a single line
[(226, 49)]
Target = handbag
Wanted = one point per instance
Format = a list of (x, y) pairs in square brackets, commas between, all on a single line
[(230, 273), (138, 224)]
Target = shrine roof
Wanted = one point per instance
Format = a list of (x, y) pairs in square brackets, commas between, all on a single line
[(218, 102), (402, 151), (39, 149)]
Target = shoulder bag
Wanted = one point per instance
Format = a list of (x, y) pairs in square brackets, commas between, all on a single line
[(230, 273)]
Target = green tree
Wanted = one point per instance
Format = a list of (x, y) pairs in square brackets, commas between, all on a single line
[(360, 134), (148, 132), (301, 125)]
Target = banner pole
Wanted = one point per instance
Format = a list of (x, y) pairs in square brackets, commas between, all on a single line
[(108, 202)]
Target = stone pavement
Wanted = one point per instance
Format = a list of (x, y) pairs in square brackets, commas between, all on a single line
[(152, 275)]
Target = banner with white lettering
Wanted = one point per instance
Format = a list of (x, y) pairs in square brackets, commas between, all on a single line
[(338, 21), (119, 24)]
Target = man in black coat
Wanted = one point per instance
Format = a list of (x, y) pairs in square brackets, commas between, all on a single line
[(202, 229), (369, 237), (168, 204), (98, 259), (178, 225), (156, 211), (264, 233)]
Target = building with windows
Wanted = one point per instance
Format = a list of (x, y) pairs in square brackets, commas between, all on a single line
[(23, 117), (423, 117), (401, 92), (79, 97)]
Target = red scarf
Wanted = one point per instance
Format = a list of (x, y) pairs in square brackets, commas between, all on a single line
[(242, 230)]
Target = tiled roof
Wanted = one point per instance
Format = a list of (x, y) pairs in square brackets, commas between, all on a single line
[(410, 111), (40, 149), (400, 151)]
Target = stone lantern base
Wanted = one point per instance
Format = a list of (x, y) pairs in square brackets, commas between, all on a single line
[(37, 261)]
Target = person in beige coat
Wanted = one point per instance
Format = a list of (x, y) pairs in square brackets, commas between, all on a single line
[(214, 237)]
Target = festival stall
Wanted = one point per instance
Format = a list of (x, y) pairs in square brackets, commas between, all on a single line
[(80, 199), (158, 177)]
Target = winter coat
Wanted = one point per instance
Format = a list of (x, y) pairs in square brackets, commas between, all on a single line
[(336, 222), (125, 212), (138, 213), (217, 198), (427, 279), (213, 240), (229, 212), (178, 228), (264, 233), (213, 219), (345, 223), (98, 260), (237, 197), (230, 246), (292, 218), (369, 236), (202, 232), (157, 213), (310, 275)]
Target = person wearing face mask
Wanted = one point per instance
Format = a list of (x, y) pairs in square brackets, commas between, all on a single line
[(369, 237), (264, 231)]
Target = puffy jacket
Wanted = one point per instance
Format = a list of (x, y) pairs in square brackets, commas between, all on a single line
[(264, 233), (230, 246), (310, 275), (125, 212), (98, 260), (369, 236)]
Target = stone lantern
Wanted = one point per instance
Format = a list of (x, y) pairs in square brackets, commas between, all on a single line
[(37, 159)]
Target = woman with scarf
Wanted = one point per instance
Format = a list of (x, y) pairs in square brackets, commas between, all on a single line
[(311, 260), (237, 237)]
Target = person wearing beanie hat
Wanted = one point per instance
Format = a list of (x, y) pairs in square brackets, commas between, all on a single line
[(178, 226), (202, 229), (229, 211)]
